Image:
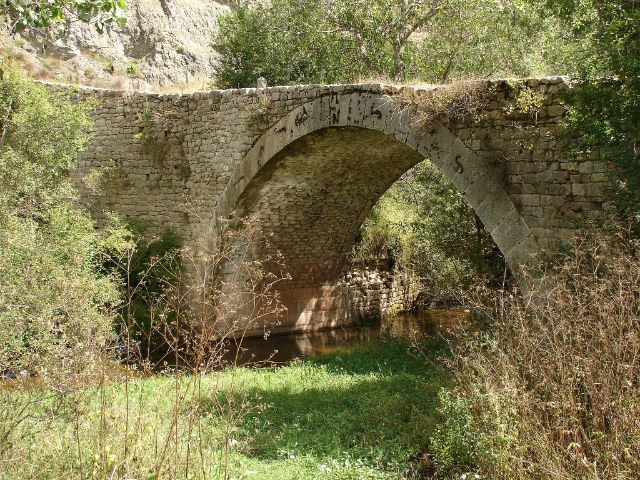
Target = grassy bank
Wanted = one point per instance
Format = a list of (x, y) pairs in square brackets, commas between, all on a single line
[(365, 413)]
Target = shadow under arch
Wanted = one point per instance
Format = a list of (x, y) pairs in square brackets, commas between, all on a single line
[(311, 179)]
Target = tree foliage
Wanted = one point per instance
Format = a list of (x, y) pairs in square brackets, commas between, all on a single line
[(47, 14), (53, 301), (280, 41), (380, 30), (489, 39), (424, 224), (288, 41)]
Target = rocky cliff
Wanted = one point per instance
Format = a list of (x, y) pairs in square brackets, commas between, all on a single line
[(164, 45)]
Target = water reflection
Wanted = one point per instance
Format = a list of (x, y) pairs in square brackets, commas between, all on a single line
[(426, 324), (284, 348)]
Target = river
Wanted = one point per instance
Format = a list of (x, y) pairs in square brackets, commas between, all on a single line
[(279, 349)]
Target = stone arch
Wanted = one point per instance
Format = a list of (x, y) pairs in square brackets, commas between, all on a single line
[(328, 161), (481, 186)]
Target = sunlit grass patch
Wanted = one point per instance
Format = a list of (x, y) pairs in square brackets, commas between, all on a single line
[(363, 413)]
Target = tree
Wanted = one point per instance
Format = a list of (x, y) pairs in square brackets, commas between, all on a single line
[(381, 30), (289, 41), (311, 41), (605, 106), (48, 14), (282, 42), (488, 39)]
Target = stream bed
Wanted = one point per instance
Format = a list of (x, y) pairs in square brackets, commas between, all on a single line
[(280, 349)]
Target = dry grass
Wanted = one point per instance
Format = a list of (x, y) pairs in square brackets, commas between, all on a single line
[(183, 88), (456, 102), (554, 389)]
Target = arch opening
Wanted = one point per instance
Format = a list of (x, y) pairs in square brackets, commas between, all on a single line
[(312, 197)]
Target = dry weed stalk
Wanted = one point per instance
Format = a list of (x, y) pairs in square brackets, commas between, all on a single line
[(209, 292), (555, 385), (456, 102)]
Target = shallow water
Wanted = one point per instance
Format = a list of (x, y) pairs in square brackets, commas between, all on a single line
[(281, 349), (278, 349)]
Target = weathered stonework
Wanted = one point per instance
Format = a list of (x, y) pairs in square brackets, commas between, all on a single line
[(358, 296), (374, 294), (309, 162)]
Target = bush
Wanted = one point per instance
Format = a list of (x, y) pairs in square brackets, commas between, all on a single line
[(553, 389), (54, 305), (454, 446), (144, 269), (423, 225), (281, 42)]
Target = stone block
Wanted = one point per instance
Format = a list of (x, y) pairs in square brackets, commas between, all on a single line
[(556, 110), (494, 208), (578, 189), (510, 231), (524, 252), (585, 167)]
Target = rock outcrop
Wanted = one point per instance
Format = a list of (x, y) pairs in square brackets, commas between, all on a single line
[(164, 44)]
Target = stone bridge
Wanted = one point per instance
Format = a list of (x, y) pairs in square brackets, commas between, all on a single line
[(309, 162)]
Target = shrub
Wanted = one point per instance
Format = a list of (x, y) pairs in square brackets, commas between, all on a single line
[(131, 70), (54, 305), (144, 269), (553, 387), (455, 102), (454, 446)]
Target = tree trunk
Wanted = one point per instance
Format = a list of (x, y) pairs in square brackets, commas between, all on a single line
[(398, 63)]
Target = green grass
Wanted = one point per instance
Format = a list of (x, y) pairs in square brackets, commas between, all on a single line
[(358, 414)]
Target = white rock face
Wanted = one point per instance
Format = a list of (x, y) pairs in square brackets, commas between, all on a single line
[(164, 43)]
